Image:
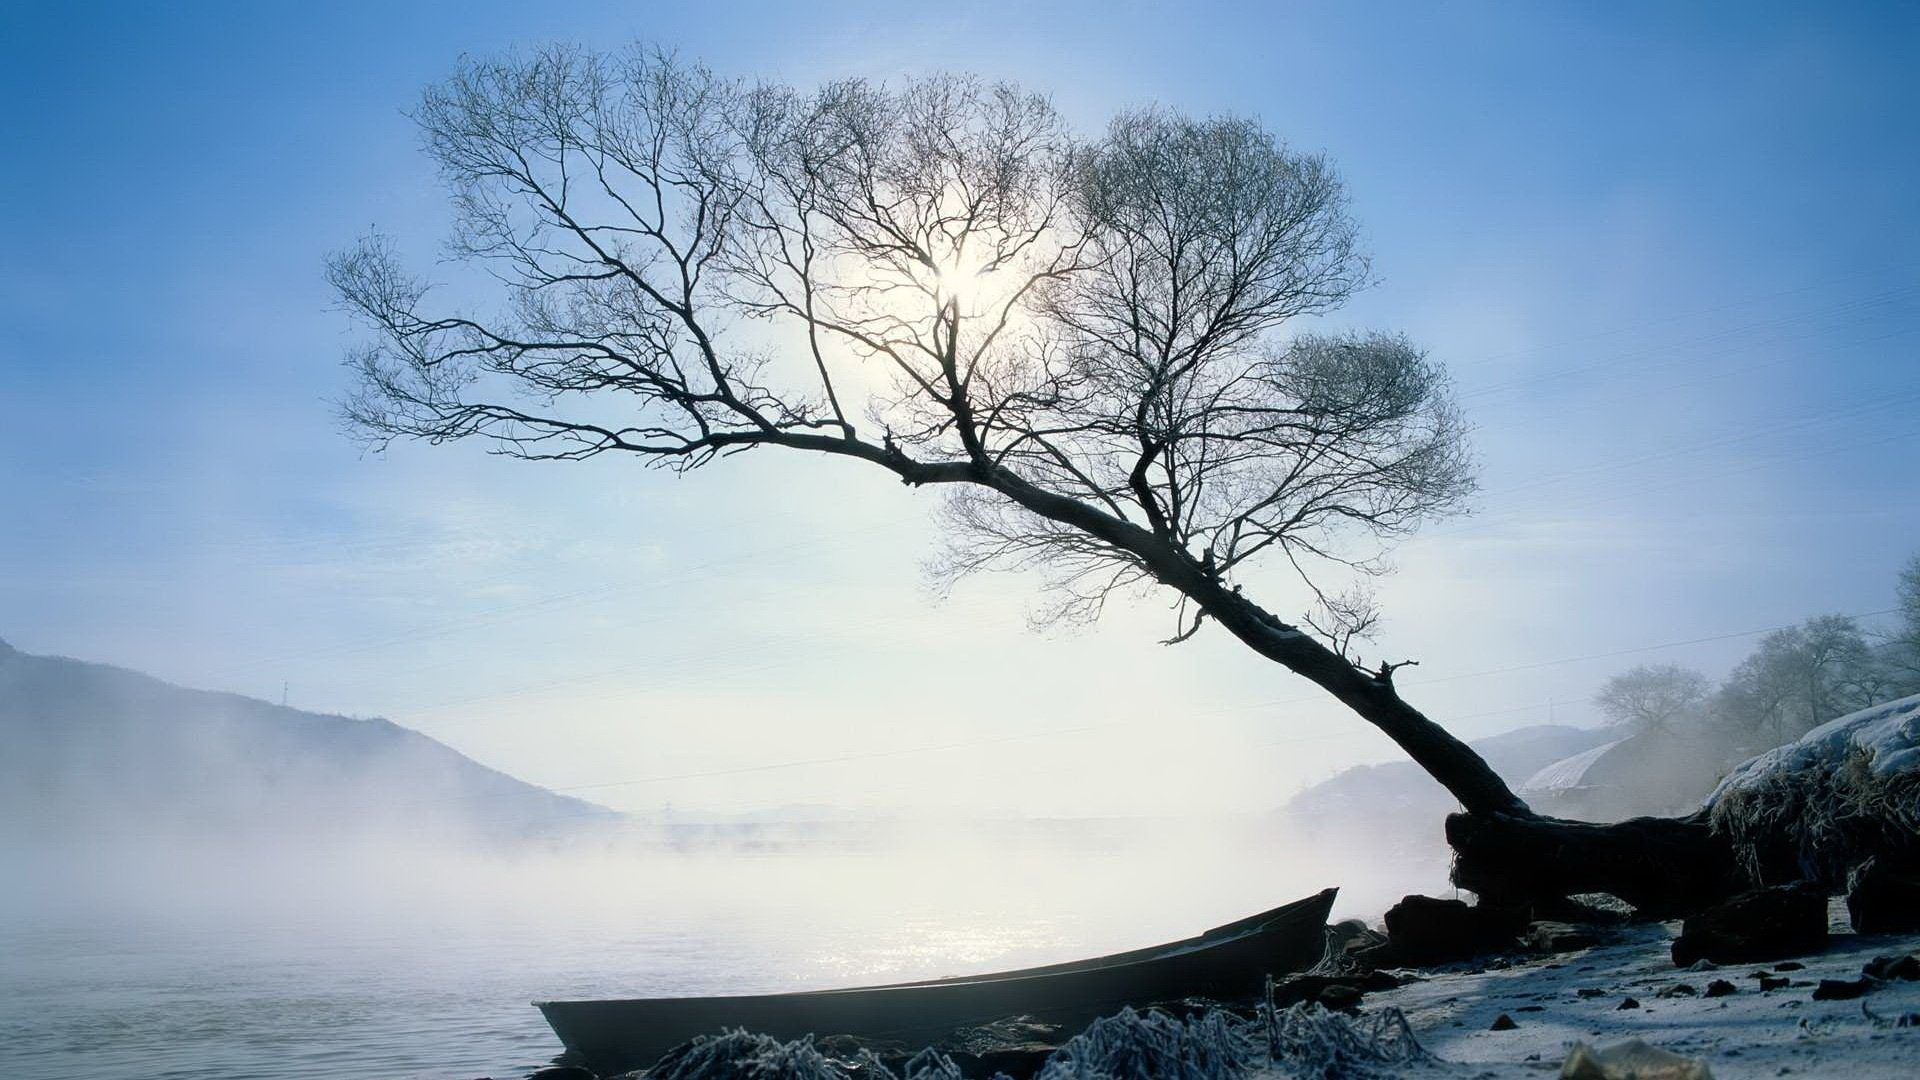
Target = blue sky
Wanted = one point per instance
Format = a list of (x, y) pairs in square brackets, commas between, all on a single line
[(1668, 252)]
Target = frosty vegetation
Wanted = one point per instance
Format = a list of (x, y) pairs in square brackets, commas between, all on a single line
[(1847, 791), (1302, 1042)]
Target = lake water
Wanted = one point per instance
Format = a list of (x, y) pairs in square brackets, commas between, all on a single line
[(394, 967)]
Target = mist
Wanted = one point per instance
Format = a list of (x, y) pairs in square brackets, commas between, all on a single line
[(433, 950), (405, 733)]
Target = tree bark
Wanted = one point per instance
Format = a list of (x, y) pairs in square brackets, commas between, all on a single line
[(1664, 867), (1455, 765)]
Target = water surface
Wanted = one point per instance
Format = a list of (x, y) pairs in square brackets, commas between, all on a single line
[(401, 967)]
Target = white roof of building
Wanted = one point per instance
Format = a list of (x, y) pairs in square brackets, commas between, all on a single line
[(1567, 773)]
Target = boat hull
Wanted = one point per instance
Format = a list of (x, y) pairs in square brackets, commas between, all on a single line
[(1229, 963)]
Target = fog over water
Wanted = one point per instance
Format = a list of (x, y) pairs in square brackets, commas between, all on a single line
[(1666, 257), (391, 961)]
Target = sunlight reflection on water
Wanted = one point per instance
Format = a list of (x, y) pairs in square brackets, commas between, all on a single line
[(428, 972)]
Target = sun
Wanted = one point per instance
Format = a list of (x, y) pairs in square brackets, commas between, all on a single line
[(961, 280)]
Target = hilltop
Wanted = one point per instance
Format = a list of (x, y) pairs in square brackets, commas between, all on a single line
[(101, 752)]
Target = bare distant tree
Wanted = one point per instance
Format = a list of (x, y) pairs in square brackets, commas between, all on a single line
[(1909, 592), (1082, 341), (1905, 643), (1653, 697), (1803, 676)]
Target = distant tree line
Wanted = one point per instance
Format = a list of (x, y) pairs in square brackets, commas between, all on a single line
[(1796, 679)]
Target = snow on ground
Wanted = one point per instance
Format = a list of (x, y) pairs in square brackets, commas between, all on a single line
[(1888, 735), (1553, 1003), (1749, 1034)]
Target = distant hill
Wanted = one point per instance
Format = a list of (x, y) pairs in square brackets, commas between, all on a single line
[(1395, 813), (103, 752), (1401, 787)]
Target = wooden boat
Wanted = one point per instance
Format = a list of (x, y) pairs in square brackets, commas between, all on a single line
[(1227, 963)]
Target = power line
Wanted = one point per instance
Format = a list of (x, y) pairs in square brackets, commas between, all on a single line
[(1853, 307), (1695, 313)]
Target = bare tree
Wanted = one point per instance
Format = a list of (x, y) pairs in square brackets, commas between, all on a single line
[(1803, 676), (1909, 593), (1652, 697), (1904, 643), (1080, 341)]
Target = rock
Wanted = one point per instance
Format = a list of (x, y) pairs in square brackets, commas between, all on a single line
[(1631, 1060), (1886, 968), (1426, 930), (1765, 924), (1385, 980), (1012, 1060), (1720, 988), (1703, 965), (1628, 1003), (1587, 909), (1373, 954), (1789, 965), (1772, 982), (1017, 1045), (1557, 937), (562, 1072), (1503, 1022), (1842, 989), (1353, 944), (1333, 991), (1590, 992), (1351, 935), (1340, 997), (1882, 899), (1676, 990)]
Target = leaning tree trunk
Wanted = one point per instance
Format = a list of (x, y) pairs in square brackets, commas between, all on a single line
[(1504, 852), (1464, 773)]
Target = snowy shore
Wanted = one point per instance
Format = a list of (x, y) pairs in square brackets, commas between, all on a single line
[(1504, 1018), (1559, 1000)]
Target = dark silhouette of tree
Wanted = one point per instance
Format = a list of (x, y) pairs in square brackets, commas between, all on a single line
[(1653, 697), (1081, 342)]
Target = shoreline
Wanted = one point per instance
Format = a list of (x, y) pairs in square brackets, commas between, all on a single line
[(1509, 1017), (1750, 1033)]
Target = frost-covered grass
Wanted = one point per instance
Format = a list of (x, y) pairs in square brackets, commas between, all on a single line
[(1302, 1042), (1820, 805)]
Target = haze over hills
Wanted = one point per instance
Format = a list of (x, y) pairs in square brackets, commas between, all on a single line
[(1398, 812), (103, 753), (1399, 789), (98, 752)]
